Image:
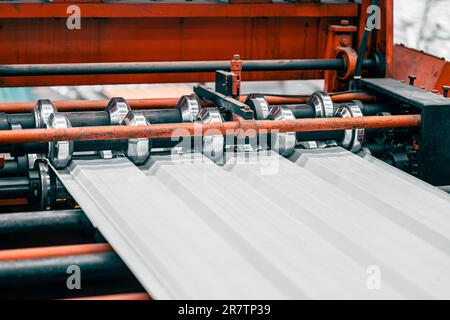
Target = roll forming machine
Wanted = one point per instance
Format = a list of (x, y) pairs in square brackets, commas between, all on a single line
[(402, 124)]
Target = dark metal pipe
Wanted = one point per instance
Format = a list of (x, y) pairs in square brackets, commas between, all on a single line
[(12, 168), (92, 118), (88, 118), (14, 187), (169, 67), (26, 120), (26, 273), (12, 223), (307, 111), (320, 135), (302, 110), (163, 116)]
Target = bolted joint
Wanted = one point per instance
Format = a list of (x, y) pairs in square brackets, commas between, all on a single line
[(42, 111), (138, 149), (117, 109), (60, 152)]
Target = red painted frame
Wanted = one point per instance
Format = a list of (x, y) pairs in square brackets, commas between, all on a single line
[(117, 32)]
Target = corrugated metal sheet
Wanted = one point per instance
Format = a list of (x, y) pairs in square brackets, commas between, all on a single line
[(266, 227)]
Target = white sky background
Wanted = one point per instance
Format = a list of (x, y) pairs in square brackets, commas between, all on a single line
[(424, 25)]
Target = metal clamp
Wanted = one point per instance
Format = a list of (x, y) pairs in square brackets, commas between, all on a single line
[(283, 143), (138, 149), (117, 109), (42, 111), (59, 152), (259, 106), (189, 108), (322, 103), (212, 146), (353, 138), (225, 102)]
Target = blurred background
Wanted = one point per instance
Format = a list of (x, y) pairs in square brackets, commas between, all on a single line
[(423, 25)]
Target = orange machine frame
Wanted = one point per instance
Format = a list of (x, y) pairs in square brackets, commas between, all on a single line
[(117, 32)]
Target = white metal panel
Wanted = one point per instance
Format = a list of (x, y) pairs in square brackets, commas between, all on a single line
[(165, 243), (406, 222), (266, 227)]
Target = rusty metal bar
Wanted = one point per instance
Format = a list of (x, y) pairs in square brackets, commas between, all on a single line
[(196, 129), (13, 202), (162, 103), (50, 252)]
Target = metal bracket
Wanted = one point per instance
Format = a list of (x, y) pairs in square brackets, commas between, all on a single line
[(224, 102)]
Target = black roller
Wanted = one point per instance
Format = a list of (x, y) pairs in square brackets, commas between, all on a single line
[(377, 149), (14, 187), (163, 116), (307, 111), (26, 120), (88, 118), (26, 273), (320, 135), (14, 167), (302, 110), (13, 223)]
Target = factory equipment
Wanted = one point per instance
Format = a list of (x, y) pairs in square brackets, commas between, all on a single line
[(355, 162)]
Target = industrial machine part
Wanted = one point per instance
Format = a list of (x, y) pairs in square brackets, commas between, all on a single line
[(42, 111), (189, 108), (117, 109), (352, 139), (60, 152), (138, 149), (284, 143), (213, 145)]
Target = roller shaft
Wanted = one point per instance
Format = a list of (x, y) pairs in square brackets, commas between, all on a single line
[(170, 67)]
